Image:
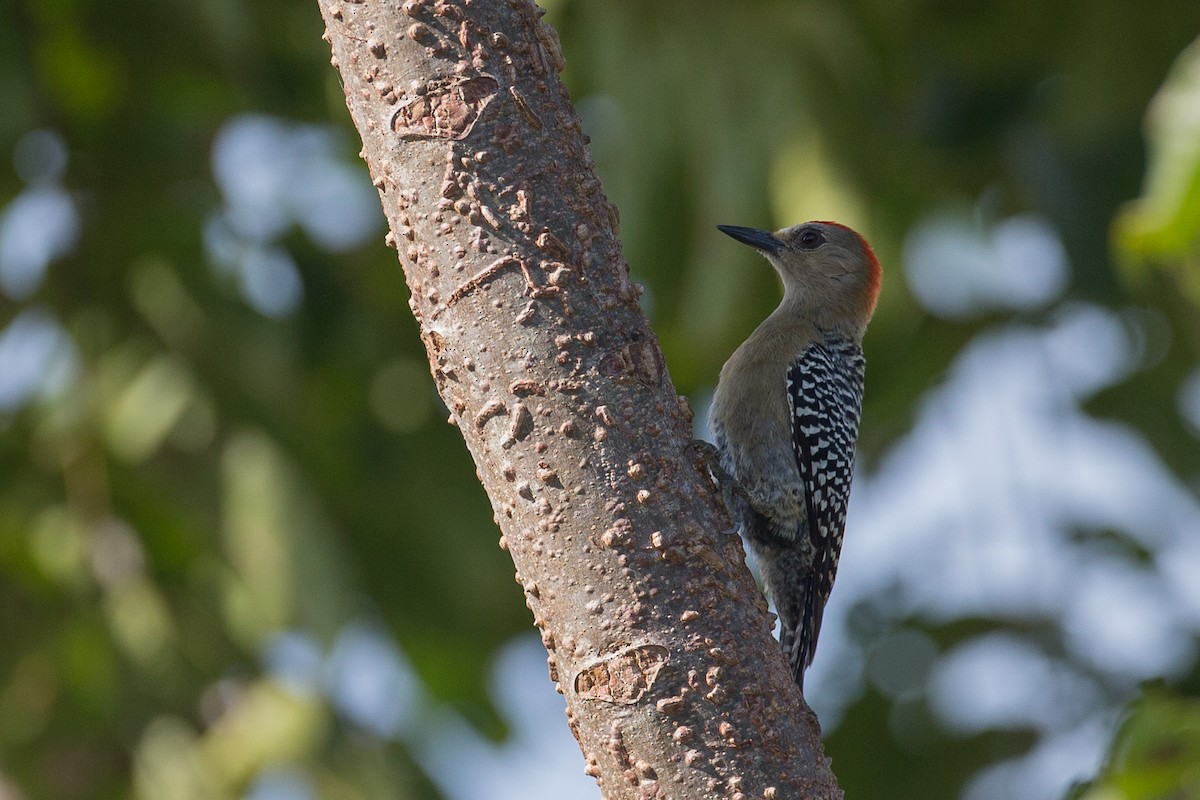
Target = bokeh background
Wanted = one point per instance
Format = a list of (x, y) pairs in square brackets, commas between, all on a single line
[(243, 556)]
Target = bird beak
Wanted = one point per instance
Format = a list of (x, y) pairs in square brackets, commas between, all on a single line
[(763, 241)]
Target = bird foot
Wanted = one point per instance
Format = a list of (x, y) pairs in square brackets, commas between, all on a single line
[(721, 477)]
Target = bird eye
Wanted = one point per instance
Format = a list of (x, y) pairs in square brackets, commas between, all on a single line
[(811, 239)]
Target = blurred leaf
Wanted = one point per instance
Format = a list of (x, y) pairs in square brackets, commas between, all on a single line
[(1157, 753), (267, 725), (148, 408), (1163, 226), (285, 571)]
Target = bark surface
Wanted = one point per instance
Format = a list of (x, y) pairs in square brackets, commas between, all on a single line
[(656, 633)]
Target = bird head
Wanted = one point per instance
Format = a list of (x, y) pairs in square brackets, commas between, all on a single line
[(828, 270)]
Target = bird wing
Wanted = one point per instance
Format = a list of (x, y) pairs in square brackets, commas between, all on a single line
[(824, 386)]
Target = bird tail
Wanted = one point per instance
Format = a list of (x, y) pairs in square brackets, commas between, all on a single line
[(800, 607)]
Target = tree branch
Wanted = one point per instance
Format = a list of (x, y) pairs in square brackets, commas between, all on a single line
[(656, 633)]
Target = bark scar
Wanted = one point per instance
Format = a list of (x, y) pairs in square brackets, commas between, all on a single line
[(446, 110), (532, 287), (622, 677)]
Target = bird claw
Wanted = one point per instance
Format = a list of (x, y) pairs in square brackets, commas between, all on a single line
[(720, 476), (709, 452)]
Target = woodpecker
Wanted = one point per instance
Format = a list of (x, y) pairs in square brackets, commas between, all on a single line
[(785, 419)]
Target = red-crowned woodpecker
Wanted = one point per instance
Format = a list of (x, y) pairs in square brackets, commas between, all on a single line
[(785, 418)]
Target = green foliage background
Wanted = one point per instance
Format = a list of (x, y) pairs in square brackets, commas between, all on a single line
[(207, 476)]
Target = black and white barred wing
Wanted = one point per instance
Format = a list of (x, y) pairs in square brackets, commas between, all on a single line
[(825, 388)]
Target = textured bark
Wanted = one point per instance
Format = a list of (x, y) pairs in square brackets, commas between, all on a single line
[(656, 633)]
